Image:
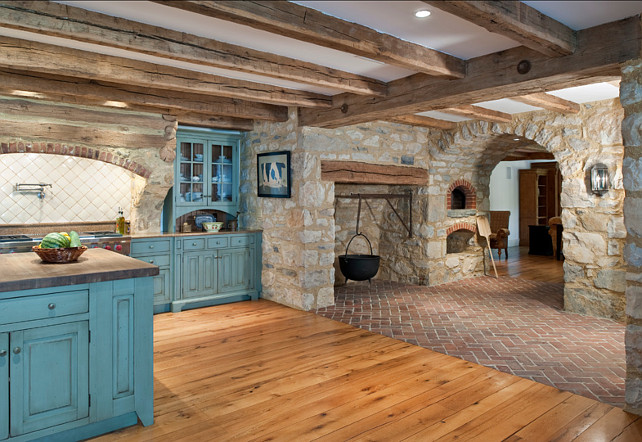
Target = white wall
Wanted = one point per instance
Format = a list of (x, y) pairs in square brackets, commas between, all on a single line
[(504, 194)]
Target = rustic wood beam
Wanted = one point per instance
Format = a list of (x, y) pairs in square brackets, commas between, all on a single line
[(517, 21), (480, 113), (81, 91), (99, 127), (422, 121), (66, 21), (200, 120), (526, 156), (301, 23), (601, 51), (41, 57), (550, 102), (354, 172)]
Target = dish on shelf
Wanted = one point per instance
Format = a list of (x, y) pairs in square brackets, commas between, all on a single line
[(212, 226), (200, 219)]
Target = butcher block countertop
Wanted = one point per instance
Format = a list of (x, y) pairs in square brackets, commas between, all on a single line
[(24, 271)]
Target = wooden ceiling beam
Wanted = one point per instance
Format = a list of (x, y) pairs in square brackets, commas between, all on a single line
[(41, 57), (601, 52), (81, 91), (517, 21), (550, 102), (528, 156), (309, 25), (423, 121), (479, 113), (201, 120), (78, 24)]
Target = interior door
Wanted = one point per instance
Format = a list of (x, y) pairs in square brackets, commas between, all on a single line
[(4, 386), (49, 376)]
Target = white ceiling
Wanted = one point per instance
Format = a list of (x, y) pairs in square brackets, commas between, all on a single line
[(440, 31)]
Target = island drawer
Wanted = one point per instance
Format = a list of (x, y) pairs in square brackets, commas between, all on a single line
[(157, 260), (30, 308), (146, 247)]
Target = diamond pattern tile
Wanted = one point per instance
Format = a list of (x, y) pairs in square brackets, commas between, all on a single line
[(83, 189)]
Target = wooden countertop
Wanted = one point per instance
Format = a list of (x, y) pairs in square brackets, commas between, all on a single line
[(183, 234), (24, 271)]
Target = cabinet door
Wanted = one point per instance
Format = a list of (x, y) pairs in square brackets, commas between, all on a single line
[(4, 385), (199, 274), (236, 269), (49, 376), (192, 171), (162, 287)]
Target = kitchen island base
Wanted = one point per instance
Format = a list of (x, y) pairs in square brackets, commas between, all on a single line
[(76, 340)]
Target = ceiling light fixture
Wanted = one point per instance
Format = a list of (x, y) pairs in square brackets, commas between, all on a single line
[(422, 13)]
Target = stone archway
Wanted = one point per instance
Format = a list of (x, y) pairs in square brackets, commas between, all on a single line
[(593, 225)]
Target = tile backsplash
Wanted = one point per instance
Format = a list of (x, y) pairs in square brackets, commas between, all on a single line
[(83, 190)]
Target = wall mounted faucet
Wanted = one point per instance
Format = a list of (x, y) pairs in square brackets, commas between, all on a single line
[(31, 188)]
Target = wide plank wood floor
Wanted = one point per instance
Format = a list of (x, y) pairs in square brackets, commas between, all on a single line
[(522, 265), (262, 371)]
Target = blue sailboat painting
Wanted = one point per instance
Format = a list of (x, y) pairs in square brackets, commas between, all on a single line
[(273, 170)]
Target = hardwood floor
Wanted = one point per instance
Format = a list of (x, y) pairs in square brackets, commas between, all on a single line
[(262, 371), (521, 264)]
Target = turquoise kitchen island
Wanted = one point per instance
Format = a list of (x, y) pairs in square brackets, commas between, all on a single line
[(76, 345)]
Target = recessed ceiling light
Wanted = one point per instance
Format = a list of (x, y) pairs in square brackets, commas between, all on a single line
[(422, 13)]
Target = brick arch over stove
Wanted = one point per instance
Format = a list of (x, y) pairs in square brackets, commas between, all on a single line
[(76, 151)]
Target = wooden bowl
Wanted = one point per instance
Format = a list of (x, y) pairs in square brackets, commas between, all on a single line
[(60, 256)]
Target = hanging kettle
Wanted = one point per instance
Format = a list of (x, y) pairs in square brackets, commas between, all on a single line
[(359, 267)]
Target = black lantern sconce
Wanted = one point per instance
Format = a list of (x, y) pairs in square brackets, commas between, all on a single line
[(600, 181)]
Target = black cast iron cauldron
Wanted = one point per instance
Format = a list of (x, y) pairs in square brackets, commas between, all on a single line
[(359, 267)]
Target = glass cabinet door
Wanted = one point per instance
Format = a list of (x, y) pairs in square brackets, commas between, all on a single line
[(191, 172), (222, 176)]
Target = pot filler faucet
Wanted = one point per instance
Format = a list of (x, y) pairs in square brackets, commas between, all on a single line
[(31, 188)]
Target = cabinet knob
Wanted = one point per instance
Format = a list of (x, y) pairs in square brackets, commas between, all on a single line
[(194, 244), (51, 306), (151, 247), (17, 350), (151, 261), (3, 353)]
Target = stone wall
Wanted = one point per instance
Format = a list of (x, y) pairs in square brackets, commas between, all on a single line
[(298, 232), (631, 96)]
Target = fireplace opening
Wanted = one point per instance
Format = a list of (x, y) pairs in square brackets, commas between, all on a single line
[(458, 198), (459, 240)]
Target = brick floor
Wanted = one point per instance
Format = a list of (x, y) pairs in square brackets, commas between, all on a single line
[(511, 324)]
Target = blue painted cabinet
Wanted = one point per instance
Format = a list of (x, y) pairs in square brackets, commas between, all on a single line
[(49, 376), (79, 359), (214, 269), (157, 251), (4, 385)]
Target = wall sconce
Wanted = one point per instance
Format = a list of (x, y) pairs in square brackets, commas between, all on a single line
[(600, 180)]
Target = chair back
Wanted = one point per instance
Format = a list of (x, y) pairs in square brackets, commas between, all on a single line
[(499, 219)]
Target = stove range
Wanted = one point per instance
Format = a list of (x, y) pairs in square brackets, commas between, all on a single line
[(103, 239)]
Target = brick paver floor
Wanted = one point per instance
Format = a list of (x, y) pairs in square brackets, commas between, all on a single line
[(511, 324)]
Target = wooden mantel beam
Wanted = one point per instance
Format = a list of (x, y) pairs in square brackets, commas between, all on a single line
[(41, 57), (517, 21), (601, 52), (354, 172), (80, 91), (550, 102), (66, 21), (306, 24)]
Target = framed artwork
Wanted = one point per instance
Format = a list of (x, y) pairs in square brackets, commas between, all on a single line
[(273, 170)]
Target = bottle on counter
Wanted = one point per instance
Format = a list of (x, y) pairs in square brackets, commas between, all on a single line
[(120, 222)]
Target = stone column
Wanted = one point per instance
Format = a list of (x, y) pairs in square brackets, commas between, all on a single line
[(631, 99)]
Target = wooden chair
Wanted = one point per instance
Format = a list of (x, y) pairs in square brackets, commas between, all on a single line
[(499, 227), (555, 229)]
